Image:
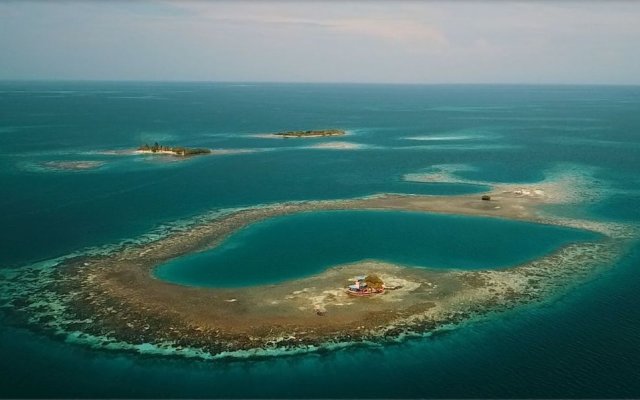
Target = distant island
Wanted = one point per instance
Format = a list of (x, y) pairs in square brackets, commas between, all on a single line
[(175, 151), (307, 134)]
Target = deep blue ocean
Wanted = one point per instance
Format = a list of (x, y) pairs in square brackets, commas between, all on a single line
[(584, 343)]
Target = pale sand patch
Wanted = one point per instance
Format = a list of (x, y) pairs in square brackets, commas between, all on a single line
[(336, 146), (443, 173), (565, 184), (437, 138)]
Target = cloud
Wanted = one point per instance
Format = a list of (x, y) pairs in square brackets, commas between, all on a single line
[(335, 19), (398, 30), (322, 41)]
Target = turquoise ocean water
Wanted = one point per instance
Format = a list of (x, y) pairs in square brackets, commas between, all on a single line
[(584, 343), (297, 245)]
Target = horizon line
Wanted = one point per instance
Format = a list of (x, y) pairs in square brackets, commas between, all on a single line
[(69, 80)]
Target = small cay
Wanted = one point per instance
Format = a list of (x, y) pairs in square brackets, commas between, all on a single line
[(174, 151), (308, 134)]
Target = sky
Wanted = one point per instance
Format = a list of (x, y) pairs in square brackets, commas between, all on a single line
[(538, 42)]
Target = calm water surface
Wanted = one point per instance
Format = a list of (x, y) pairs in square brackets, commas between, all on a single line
[(585, 343), (301, 245)]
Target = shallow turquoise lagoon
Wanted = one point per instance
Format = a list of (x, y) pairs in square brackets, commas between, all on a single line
[(302, 244)]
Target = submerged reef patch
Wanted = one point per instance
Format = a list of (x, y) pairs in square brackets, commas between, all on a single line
[(63, 166)]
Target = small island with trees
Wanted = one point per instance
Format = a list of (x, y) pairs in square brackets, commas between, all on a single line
[(175, 151), (366, 285), (308, 134)]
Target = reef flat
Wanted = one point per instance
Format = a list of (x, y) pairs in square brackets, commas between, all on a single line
[(113, 301), (71, 165)]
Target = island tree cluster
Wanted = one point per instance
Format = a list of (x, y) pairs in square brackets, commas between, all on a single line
[(180, 151), (314, 133)]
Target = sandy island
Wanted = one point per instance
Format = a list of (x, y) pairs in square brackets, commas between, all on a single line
[(302, 134), (112, 301), (172, 150)]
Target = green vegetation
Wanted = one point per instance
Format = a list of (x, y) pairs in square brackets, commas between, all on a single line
[(178, 151), (316, 133), (374, 282)]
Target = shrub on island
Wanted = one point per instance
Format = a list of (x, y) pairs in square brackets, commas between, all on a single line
[(179, 151)]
